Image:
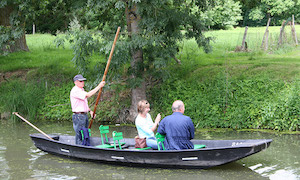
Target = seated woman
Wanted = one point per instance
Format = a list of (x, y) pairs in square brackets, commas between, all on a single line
[(145, 125)]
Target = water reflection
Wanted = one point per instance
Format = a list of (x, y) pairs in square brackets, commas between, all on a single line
[(20, 159), (70, 169), (280, 161), (4, 167), (14, 154)]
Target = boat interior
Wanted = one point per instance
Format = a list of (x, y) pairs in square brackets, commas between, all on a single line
[(129, 143)]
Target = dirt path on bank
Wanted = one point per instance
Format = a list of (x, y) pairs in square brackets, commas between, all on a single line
[(19, 74)]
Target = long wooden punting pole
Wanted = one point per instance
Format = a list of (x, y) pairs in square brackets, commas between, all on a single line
[(15, 113), (104, 76)]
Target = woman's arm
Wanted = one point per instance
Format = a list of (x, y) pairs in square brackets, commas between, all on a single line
[(157, 119)]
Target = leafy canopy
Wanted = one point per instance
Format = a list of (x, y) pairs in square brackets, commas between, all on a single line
[(162, 25)]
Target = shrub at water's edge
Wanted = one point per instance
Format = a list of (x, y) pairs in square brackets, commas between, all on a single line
[(258, 103), (22, 97)]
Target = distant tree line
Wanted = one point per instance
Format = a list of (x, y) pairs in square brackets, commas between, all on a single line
[(220, 14)]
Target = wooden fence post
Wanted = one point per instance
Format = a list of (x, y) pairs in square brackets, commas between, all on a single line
[(33, 28), (267, 31), (267, 41), (281, 33), (244, 39), (294, 30)]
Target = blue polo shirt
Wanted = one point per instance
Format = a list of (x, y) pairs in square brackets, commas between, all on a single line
[(179, 130)]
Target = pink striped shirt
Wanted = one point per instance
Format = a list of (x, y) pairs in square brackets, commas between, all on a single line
[(78, 99)]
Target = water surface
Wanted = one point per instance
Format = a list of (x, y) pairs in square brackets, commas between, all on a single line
[(20, 159)]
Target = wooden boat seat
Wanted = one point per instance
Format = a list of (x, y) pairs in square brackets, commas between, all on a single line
[(160, 140)]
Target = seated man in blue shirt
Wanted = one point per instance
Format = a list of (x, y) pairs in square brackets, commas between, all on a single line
[(178, 128)]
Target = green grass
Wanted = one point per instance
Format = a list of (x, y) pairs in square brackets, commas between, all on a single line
[(282, 63), (229, 39), (43, 56)]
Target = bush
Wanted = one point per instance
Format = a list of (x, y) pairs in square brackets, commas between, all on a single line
[(56, 103), (22, 97), (234, 103)]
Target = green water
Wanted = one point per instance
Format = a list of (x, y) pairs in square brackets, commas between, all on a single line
[(20, 159)]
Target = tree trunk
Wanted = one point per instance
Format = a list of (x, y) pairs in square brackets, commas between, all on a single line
[(128, 21), (137, 93), (12, 45)]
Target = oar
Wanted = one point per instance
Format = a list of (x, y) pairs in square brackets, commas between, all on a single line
[(15, 113), (104, 76)]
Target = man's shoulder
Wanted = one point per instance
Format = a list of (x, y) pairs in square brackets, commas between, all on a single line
[(182, 118), (181, 115), (75, 88), (187, 117), (168, 117), (77, 92)]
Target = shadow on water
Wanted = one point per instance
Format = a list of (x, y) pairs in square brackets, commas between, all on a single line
[(20, 159)]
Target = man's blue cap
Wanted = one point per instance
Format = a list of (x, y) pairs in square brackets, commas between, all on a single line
[(78, 77)]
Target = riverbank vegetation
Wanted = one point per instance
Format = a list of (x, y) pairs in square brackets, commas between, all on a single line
[(222, 89)]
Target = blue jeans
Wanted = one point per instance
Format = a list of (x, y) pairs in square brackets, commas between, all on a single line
[(151, 142), (79, 121)]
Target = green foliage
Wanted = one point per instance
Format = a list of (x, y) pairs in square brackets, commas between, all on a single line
[(233, 103), (113, 106), (57, 14), (25, 98), (283, 112), (159, 31), (256, 13), (278, 7), (222, 14), (56, 103)]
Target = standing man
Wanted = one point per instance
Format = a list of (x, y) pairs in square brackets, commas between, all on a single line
[(80, 107), (178, 128)]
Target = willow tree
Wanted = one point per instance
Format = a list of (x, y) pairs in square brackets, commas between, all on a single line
[(150, 37)]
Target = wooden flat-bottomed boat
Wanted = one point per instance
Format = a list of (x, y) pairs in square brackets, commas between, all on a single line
[(215, 153)]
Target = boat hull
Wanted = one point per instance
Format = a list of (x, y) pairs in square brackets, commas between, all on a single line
[(217, 152)]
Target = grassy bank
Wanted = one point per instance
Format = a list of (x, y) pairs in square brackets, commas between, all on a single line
[(222, 89)]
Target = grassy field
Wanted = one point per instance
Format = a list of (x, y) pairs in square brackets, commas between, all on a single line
[(282, 63), (214, 78)]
